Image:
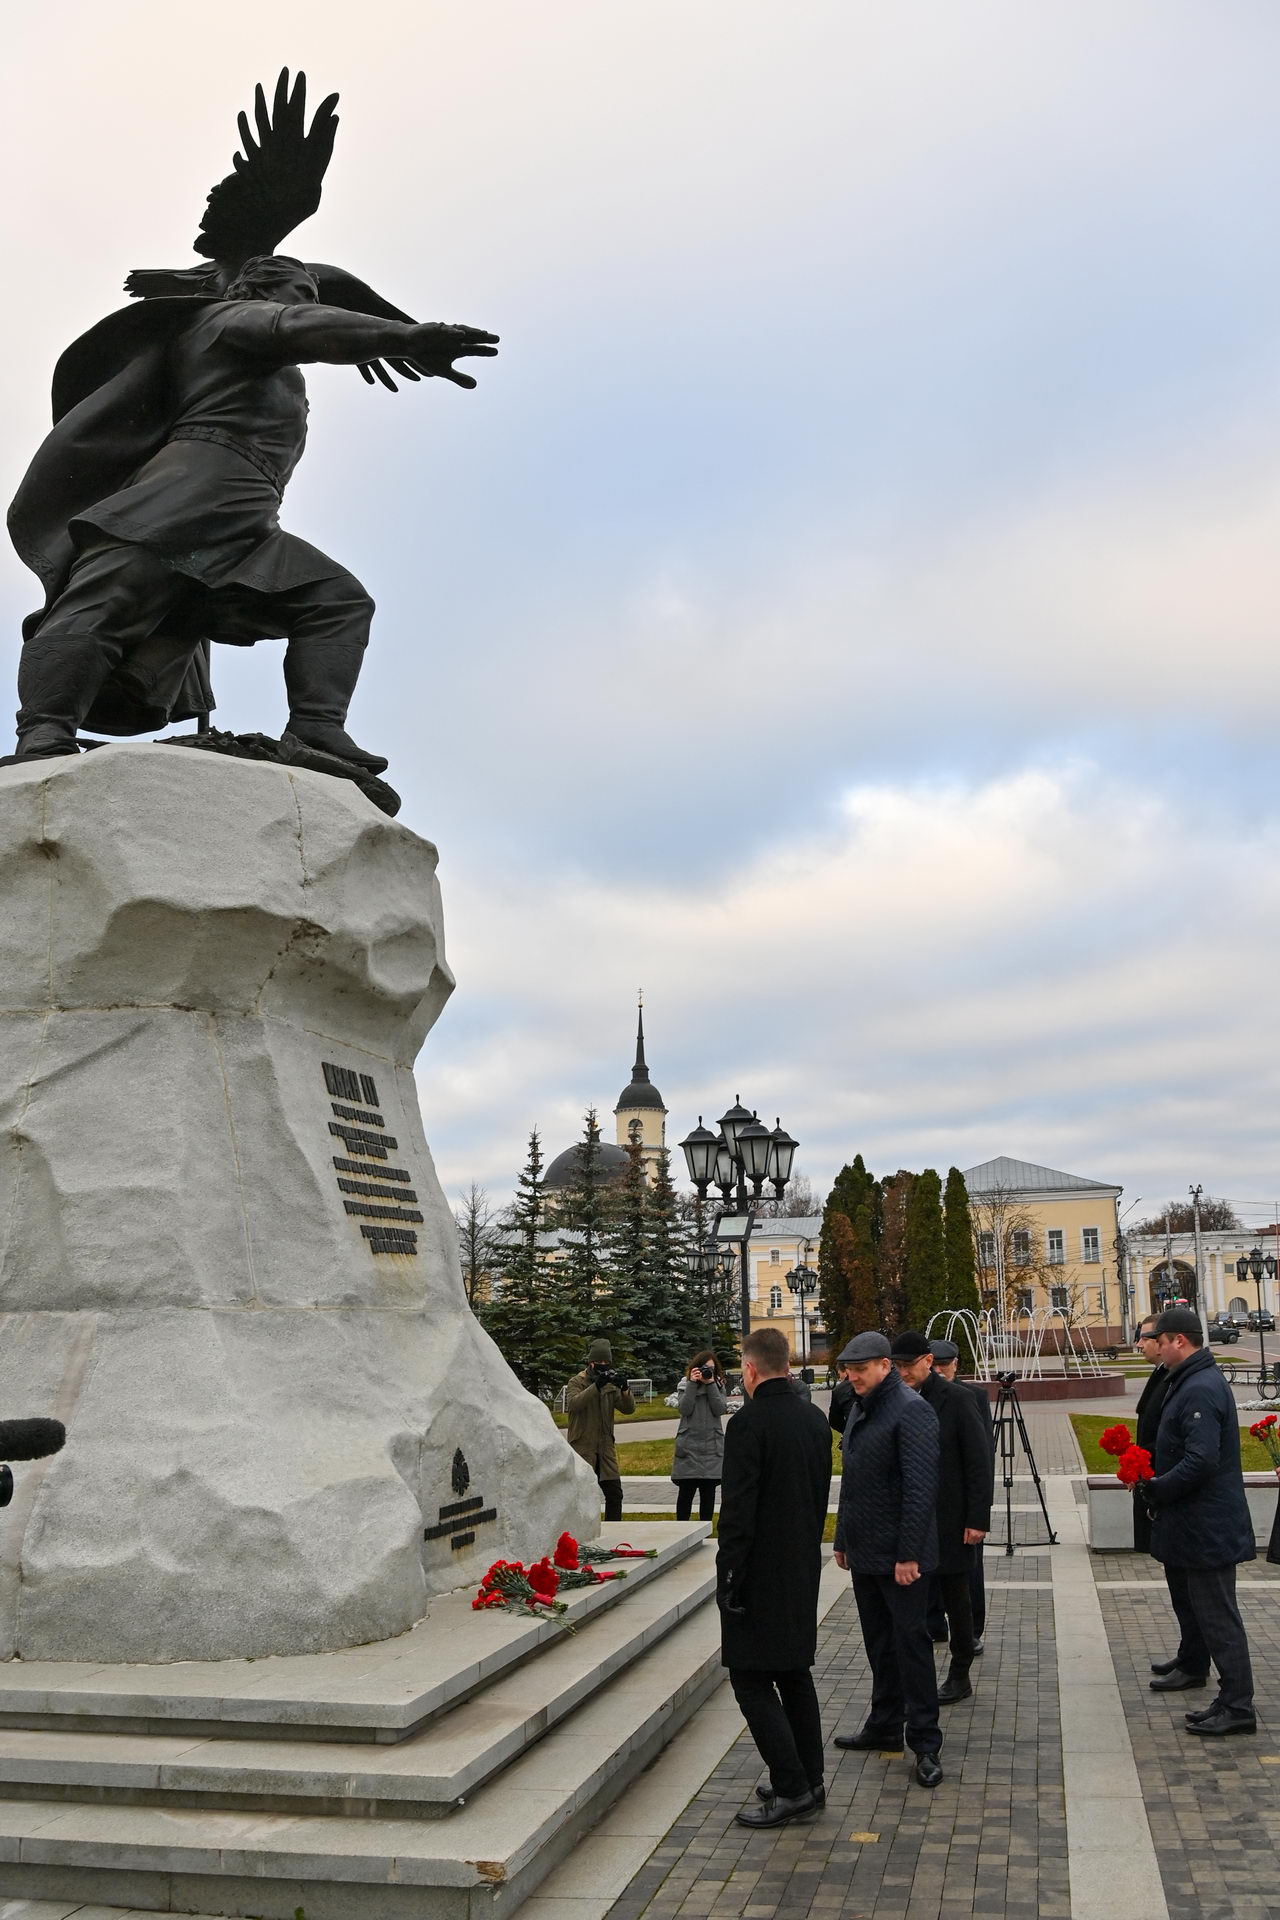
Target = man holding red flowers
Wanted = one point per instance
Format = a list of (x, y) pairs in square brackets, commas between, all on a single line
[(1200, 1526)]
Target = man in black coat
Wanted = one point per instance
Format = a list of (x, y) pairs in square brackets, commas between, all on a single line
[(773, 1509), (946, 1364), (841, 1404), (1147, 1412), (964, 1498), (887, 1536), (1200, 1524)]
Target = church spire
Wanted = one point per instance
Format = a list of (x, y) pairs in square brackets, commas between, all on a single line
[(640, 1071)]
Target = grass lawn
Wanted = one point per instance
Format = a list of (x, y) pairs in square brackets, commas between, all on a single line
[(647, 1513), (655, 1456), (645, 1410), (1254, 1457)]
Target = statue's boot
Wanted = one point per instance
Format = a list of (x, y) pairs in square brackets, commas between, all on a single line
[(320, 677), (60, 675)]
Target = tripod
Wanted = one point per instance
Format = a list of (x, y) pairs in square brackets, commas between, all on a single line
[(1010, 1426)]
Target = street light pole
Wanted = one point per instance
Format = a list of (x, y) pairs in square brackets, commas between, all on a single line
[(1253, 1266), (803, 1281), (743, 1152)]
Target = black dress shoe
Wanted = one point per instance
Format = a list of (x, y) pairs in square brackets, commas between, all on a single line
[(1224, 1720), (928, 1770), (977, 1646), (955, 1687), (871, 1740), (1176, 1681), (819, 1793), (1163, 1666), (777, 1811)]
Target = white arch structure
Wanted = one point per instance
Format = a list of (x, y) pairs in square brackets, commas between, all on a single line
[(1018, 1344)]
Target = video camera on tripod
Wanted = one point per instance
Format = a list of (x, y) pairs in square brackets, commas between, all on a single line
[(26, 1440)]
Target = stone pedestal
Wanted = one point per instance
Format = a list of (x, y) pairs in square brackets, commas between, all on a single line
[(225, 1259)]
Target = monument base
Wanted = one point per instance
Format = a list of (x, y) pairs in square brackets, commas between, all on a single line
[(226, 1263)]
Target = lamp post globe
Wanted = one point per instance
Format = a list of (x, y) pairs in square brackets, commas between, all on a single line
[(755, 1151), (732, 1123), (699, 1149)]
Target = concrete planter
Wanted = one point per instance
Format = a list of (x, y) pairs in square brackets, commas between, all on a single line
[(1111, 1511)]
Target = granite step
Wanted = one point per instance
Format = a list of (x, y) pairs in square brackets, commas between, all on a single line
[(477, 1862), (383, 1693), (419, 1777)]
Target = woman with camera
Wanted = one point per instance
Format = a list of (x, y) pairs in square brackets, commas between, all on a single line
[(699, 1437)]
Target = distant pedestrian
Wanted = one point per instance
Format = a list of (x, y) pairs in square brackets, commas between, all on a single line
[(1201, 1529), (773, 1509), (946, 1364), (887, 1536), (841, 1405), (964, 1498), (699, 1450), (592, 1398)]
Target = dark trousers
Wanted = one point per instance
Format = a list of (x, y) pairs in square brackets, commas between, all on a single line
[(1204, 1599), (119, 595), (904, 1686), (706, 1492), (612, 1491), (957, 1603), (782, 1716), (941, 1623)]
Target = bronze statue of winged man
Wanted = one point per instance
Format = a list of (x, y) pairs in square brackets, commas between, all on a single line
[(150, 513)]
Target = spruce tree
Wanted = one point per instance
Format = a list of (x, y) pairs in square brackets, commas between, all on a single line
[(529, 1317), (667, 1266), (584, 1213), (924, 1254)]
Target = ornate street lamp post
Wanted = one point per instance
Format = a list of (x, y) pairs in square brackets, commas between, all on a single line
[(1252, 1266), (744, 1153), (803, 1282)]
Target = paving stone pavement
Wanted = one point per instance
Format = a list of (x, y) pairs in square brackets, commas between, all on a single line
[(1213, 1805), (990, 1840)]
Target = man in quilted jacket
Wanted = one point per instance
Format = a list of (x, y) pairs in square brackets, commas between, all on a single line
[(887, 1536)]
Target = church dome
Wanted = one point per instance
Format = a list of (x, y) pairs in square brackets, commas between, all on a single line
[(641, 1092), (612, 1163)]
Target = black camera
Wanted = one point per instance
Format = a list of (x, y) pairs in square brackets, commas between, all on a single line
[(27, 1440), (706, 1373), (606, 1376), (1006, 1379)]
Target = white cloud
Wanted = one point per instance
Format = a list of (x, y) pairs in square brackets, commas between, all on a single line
[(1053, 964)]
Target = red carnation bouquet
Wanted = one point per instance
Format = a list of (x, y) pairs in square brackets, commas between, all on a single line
[(1268, 1431), (1135, 1465), (1116, 1440), (520, 1589)]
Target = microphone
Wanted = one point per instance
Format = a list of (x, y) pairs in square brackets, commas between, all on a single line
[(30, 1439)]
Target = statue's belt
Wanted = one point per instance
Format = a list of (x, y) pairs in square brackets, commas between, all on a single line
[(216, 437)]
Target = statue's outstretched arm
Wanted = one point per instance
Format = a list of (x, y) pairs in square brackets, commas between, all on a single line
[(307, 333)]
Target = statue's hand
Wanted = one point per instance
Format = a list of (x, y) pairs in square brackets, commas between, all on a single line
[(433, 347)]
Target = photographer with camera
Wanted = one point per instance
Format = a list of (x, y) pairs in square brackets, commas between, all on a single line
[(699, 1451), (592, 1398)]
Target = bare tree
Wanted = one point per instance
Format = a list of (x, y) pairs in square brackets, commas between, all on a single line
[(800, 1200), (1008, 1252), (476, 1221), (1179, 1217)]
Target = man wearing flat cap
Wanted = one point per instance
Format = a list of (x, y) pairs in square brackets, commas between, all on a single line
[(887, 1537), (946, 1364), (964, 1498), (1200, 1524)]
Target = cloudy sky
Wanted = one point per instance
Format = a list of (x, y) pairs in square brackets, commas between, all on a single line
[(848, 607)]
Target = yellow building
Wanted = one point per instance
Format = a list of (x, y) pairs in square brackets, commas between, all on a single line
[(1162, 1268), (775, 1247), (1049, 1240)]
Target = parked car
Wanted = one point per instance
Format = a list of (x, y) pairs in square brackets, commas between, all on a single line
[(1263, 1322), (1223, 1330)]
